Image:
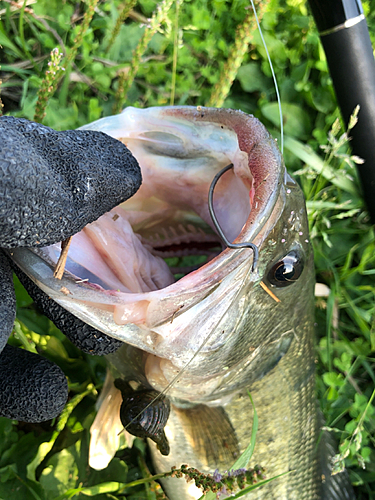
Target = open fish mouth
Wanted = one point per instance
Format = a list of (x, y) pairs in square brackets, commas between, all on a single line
[(128, 274)]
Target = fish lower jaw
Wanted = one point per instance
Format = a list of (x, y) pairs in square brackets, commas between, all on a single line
[(108, 255)]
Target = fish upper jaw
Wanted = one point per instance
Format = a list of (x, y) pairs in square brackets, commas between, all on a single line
[(180, 156)]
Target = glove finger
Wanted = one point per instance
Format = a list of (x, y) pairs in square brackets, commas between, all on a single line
[(7, 300), (32, 389), (84, 336), (52, 184)]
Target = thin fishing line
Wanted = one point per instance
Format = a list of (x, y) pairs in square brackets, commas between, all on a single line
[(182, 371), (223, 237), (274, 78), (175, 379)]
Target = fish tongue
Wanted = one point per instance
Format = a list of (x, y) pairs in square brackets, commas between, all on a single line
[(118, 257)]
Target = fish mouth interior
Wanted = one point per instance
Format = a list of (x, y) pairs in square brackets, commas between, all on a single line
[(156, 255), (165, 231), (141, 246)]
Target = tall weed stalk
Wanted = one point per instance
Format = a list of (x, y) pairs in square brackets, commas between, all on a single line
[(127, 76)]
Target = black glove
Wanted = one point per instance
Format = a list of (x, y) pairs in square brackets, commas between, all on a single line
[(52, 184)]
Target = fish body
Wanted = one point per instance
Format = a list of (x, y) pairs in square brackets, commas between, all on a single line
[(221, 330)]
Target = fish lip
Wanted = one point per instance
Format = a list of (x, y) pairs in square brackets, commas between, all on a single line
[(199, 283)]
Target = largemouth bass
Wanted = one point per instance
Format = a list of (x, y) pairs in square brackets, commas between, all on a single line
[(220, 330)]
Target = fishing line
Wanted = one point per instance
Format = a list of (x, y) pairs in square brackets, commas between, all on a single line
[(273, 76), (236, 246), (217, 225), (220, 231), (182, 371)]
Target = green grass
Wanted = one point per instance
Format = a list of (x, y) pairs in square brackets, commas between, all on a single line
[(182, 63)]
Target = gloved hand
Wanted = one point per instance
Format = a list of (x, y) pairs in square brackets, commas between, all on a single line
[(52, 184)]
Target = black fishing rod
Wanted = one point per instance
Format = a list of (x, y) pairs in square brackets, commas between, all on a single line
[(344, 34)]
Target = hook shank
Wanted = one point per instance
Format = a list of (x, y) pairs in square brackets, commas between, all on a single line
[(253, 247)]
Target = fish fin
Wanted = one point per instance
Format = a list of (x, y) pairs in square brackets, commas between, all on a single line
[(107, 431), (210, 433)]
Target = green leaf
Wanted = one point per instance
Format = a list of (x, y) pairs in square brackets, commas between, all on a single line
[(8, 472), (5, 42), (23, 298), (9, 436), (116, 469), (11, 484), (46, 447), (296, 121), (344, 363), (333, 379), (61, 472), (251, 78)]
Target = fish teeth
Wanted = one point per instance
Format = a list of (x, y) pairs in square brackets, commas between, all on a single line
[(179, 235), (173, 231)]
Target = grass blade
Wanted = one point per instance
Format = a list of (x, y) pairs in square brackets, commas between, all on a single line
[(244, 459), (308, 156)]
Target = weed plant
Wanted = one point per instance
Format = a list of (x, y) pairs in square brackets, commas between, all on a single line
[(69, 63)]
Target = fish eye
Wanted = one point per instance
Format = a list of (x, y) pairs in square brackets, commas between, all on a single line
[(287, 270)]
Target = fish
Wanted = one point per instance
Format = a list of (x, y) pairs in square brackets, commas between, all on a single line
[(207, 335)]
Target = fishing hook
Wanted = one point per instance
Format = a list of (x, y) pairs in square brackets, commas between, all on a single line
[(216, 222)]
